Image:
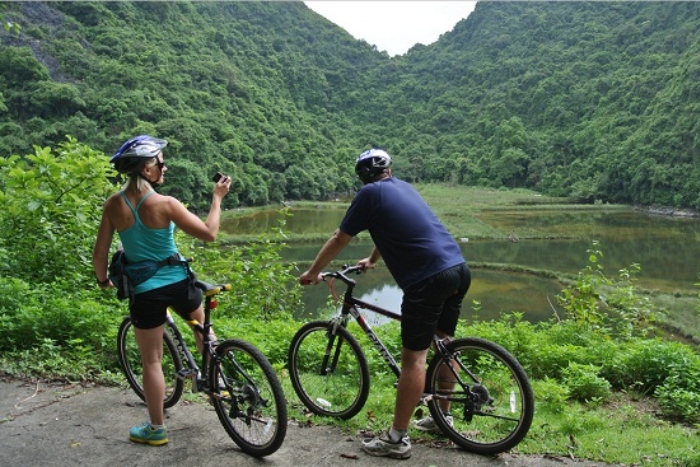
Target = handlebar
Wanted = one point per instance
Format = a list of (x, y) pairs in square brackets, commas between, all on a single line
[(342, 274)]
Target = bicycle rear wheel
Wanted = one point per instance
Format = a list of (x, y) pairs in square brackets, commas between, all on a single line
[(248, 398), (130, 362), (492, 403), (329, 372)]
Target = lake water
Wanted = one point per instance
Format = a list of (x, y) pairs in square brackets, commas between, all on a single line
[(666, 248)]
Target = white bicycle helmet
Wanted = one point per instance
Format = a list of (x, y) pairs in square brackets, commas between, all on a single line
[(372, 163)]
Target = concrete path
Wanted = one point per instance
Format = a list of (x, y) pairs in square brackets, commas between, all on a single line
[(72, 425)]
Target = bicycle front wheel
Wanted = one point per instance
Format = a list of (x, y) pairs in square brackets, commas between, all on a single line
[(130, 362), (329, 372), (490, 397), (248, 398)]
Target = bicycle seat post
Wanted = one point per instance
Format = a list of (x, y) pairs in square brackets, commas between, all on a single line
[(206, 325)]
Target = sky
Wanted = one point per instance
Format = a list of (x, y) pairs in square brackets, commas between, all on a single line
[(394, 26)]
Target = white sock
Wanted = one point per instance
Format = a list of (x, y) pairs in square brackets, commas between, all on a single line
[(157, 427), (395, 435)]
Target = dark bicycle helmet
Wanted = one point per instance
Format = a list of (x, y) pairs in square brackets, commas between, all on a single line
[(372, 163), (133, 154)]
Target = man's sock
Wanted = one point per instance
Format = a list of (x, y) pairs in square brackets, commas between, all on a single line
[(395, 435)]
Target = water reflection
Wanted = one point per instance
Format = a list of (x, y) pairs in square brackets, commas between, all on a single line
[(497, 292), (303, 221), (665, 248)]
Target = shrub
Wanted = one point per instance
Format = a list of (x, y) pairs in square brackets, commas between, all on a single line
[(645, 364), (614, 307), (263, 286), (679, 395), (510, 332), (551, 396), (556, 344), (50, 213), (584, 383)]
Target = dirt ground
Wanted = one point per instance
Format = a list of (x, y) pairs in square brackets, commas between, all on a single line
[(71, 425)]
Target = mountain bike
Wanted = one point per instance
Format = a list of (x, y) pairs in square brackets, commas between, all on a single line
[(490, 396), (240, 382)]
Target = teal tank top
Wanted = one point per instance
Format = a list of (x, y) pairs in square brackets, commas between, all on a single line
[(141, 243)]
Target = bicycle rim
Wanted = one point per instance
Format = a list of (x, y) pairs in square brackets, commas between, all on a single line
[(329, 373), (248, 398), (492, 409), (130, 362)]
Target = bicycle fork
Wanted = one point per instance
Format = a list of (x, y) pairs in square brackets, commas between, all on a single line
[(327, 367)]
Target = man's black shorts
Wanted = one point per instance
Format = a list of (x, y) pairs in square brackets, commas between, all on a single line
[(433, 304)]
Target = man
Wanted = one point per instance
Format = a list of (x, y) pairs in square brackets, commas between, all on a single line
[(427, 264)]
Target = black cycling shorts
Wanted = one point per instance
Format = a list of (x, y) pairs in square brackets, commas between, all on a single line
[(433, 304), (148, 309)]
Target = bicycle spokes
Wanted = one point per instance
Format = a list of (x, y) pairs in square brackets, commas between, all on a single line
[(249, 400), (328, 371), (486, 392)]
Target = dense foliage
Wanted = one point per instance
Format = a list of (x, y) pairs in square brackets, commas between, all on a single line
[(54, 319), (597, 100), (207, 76)]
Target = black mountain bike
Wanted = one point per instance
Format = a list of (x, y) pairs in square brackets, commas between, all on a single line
[(490, 398), (239, 381)]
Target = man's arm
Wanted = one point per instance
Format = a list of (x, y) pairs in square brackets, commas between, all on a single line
[(371, 261), (330, 250)]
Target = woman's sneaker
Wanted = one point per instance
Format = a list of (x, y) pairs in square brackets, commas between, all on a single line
[(385, 448), (145, 434), (428, 424)]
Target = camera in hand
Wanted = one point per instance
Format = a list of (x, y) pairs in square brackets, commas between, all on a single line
[(217, 177)]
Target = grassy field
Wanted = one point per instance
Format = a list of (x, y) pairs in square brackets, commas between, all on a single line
[(457, 206)]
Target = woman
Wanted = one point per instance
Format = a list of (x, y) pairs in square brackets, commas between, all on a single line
[(145, 221)]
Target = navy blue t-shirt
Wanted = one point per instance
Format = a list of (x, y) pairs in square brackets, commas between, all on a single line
[(413, 242)]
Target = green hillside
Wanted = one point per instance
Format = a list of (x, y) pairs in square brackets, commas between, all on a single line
[(594, 100)]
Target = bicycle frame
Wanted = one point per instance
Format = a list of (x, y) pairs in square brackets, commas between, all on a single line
[(351, 308), (192, 370)]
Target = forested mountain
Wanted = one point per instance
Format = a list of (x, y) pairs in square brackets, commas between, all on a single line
[(595, 100), (598, 100)]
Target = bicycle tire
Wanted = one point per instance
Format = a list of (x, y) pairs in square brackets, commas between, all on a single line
[(130, 363), (325, 388), (495, 414), (248, 398)]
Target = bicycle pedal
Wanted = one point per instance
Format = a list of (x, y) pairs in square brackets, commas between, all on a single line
[(186, 373)]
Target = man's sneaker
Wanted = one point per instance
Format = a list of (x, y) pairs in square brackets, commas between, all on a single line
[(145, 434), (385, 448), (428, 424)]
